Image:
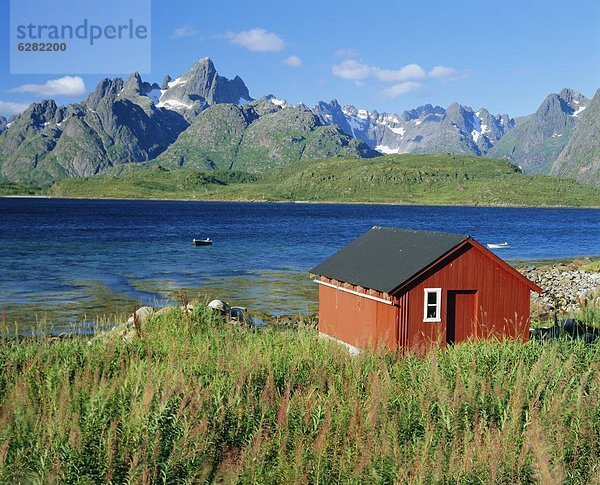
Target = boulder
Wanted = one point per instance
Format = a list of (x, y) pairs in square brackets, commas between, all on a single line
[(164, 310), (142, 313)]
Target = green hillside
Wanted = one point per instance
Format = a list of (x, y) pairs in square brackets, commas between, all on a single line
[(416, 179), (17, 188), (257, 138), (533, 150)]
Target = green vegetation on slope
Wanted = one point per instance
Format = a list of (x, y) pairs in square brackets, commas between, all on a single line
[(581, 157), (154, 182), (194, 400), (527, 146), (414, 179), (256, 138), (16, 188)]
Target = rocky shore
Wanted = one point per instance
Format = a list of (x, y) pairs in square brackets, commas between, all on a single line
[(568, 287)]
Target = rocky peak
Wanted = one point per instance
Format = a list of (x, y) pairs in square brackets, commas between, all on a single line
[(580, 158), (458, 116), (202, 71), (303, 107), (106, 88), (422, 111), (333, 113), (264, 106), (200, 87), (165, 82), (554, 105), (493, 127), (537, 140), (506, 121), (350, 110), (489, 120), (334, 104), (134, 86), (40, 114), (484, 114), (573, 99)]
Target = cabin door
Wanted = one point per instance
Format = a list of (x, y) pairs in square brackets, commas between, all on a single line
[(461, 322)]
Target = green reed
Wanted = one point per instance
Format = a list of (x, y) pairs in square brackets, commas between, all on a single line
[(193, 399)]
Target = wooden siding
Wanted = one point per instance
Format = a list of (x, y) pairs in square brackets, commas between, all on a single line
[(501, 300), (358, 321)]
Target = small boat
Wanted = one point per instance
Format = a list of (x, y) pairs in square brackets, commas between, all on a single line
[(498, 245), (202, 242)]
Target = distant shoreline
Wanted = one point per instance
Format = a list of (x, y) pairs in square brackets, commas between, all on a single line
[(29, 197), (285, 201)]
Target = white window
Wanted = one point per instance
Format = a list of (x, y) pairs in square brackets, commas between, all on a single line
[(432, 306)]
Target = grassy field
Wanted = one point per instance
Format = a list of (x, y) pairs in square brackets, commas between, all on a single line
[(404, 179), (191, 399)]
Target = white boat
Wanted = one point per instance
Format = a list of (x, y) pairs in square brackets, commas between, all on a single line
[(498, 245), (202, 242)]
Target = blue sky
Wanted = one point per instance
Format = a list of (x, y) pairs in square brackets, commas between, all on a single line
[(386, 55)]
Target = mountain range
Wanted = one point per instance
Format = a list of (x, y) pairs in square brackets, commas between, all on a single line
[(204, 120), (426, 129)]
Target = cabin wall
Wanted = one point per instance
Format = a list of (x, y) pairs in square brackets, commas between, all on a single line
[(358, 321), (501, 301)]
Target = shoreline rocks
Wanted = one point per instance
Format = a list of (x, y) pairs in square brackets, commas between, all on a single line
[(567, 289)]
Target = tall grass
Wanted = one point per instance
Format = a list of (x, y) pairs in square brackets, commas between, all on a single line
[(194, 400)]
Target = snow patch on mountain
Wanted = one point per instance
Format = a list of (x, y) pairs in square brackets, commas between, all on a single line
[(399, 131), (276, 101), (173, 104), (363, 114), (176, 82), (387, 150)]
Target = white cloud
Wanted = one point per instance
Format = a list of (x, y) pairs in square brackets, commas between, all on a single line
[(185, 31), (399, 89), (292, 61), (446, 73), (352, 70), (64, 86), (346, 53), (404, 79), (258, 40), (9, 108), (357, 71), (410, 71)]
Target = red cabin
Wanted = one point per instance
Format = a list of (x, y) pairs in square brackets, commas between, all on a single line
[(406, 289)]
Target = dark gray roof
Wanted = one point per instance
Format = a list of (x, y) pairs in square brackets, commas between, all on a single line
[(385, 257)]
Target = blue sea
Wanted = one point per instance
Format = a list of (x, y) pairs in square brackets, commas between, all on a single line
[(61, 258)]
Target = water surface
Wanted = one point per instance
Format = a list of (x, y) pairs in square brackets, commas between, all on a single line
[(64, 260)]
